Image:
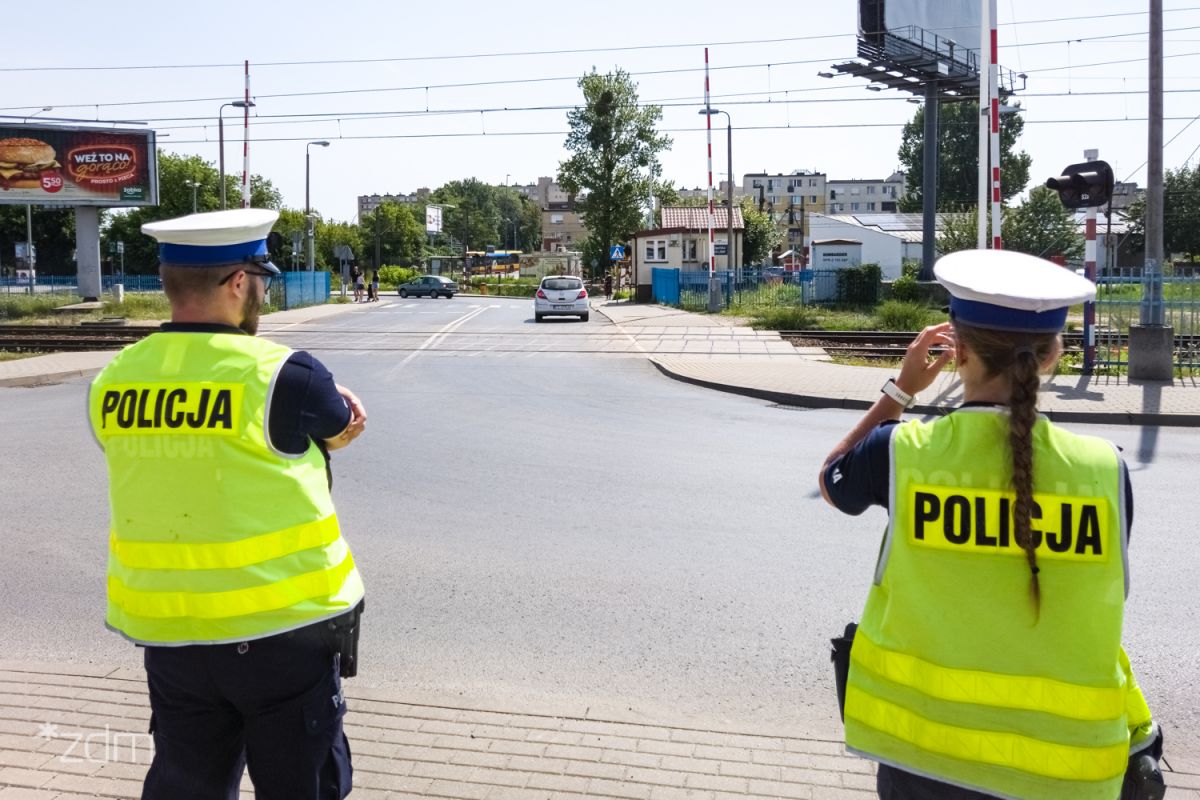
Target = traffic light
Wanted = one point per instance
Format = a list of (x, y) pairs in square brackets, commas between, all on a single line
[(1085, 185)]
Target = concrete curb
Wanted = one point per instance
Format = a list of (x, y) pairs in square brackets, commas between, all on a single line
[(820, 401), (47, 379)]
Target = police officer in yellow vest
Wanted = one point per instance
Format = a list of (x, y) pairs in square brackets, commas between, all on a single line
[(226, 562), (988, 660)]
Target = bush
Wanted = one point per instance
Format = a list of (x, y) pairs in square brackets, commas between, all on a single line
[(784, 318), (390, 277), (897, 315), (859, 286)]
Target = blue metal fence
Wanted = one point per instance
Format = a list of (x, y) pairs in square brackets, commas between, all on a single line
[(132, 283), (749, 286), (298, 289), (1119, 304), (69, 284)]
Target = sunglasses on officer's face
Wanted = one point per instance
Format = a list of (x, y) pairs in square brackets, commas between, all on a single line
[(266, 276)]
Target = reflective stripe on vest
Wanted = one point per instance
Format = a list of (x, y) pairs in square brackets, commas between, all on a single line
[(988, 688), (1063, 762), (954, 674), (214, 536)]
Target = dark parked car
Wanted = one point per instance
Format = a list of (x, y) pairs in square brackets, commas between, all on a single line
[(434, 286)]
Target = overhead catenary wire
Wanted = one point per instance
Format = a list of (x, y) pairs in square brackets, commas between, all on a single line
[(425, 87), (525, 53), (813, 126)]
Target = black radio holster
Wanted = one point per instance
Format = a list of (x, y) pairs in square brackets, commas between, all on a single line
[(841, 664), (342, 633)]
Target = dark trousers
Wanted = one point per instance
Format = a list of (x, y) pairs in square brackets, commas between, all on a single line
[(273, 705), (895, 784)]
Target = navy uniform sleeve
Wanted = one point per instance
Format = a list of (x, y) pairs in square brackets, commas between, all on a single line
[(1128, 501), (861, 477), (305, 405)]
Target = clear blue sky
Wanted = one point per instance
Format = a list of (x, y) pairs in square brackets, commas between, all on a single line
[(417, 149)]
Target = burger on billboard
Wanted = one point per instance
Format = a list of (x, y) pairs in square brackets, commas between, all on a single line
[(77, 166)]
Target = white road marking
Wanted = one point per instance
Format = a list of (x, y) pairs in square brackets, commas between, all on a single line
[(442, 334)]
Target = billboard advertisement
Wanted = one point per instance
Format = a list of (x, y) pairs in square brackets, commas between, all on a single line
[(55, 165), (956, 20), (433, 219)]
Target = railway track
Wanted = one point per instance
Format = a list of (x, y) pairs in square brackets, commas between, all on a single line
[(876, 345), (73, 338)]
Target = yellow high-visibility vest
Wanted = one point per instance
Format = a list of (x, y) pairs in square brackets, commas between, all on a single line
[(214, 536), (954, 675)]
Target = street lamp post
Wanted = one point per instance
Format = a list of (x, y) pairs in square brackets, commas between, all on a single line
[(195, 189), (221, 139), (729, 184), (311, 258)]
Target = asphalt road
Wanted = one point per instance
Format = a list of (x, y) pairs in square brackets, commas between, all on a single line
[(542, 519)]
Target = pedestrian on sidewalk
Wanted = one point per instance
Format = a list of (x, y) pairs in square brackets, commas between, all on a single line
[(988, 660), (374, 290), (608, 283), (226, 561)]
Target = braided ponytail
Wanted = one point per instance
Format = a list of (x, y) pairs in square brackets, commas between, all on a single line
[(1019, 355), (1021, 418)]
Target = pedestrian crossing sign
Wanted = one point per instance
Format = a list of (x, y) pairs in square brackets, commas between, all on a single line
[(616, 252)]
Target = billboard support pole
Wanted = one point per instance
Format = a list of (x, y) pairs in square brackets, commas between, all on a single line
[(87, 251), (929, 182)]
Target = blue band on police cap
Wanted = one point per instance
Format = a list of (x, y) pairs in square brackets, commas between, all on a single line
[(1002, 318), (192, 255)]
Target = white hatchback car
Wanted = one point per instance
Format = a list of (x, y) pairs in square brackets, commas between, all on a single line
[(560, 296)]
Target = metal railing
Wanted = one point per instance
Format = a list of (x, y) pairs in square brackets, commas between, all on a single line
[(69, 284), (1119, 295), (750, 287)]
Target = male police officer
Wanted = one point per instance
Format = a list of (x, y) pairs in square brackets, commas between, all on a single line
[(225, 557)]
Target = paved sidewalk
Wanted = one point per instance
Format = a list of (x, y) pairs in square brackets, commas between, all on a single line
[(70, 732), (791, 376)]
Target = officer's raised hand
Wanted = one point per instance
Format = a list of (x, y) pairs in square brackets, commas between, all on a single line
[(918, 371)]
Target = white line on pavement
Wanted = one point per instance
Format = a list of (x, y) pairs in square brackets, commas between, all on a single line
[(442, 334)]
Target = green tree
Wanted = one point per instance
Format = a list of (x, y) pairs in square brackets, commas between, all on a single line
[(175, 200), (1181, 209), (958, 157), (393, 231), (328, 234), (53, 237), (614, 146), (474, 220), (1039, 226), (761, 235), (520, 220)]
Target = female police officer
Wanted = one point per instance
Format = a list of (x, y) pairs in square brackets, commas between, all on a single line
[(988, 660)]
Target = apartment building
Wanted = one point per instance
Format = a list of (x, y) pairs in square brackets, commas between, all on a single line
[(865, 196), (367, 203)]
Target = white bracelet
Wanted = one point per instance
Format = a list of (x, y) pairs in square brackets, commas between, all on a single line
[(896, 393)]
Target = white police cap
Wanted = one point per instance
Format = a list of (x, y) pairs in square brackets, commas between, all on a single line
[(1010, 291), (215, 238)]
